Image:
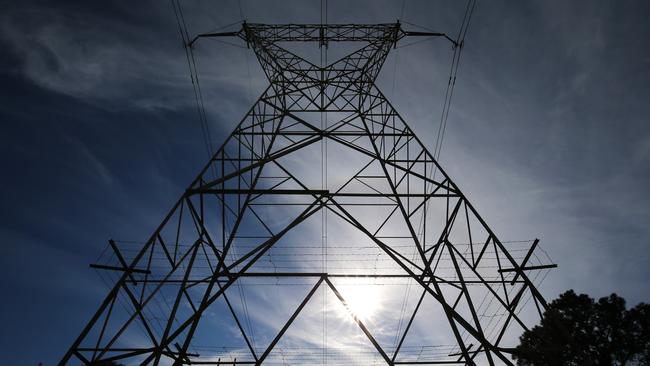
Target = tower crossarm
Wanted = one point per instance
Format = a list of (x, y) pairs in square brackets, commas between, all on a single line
[(323, 33)]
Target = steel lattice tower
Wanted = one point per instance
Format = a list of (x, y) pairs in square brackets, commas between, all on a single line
[(258, 193)]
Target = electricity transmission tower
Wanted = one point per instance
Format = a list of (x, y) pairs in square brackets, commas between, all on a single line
[(321, 156)]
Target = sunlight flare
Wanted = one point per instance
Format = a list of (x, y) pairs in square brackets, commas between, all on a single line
[(362, 300)]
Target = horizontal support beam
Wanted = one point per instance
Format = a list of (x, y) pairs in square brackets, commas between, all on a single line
[(530, 268), (454, 362), (430, 34), (308, 192), (325, 193), (324, 133), (224, 362), (115, 268), (213, 35)]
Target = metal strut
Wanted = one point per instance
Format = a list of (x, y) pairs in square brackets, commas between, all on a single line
[(233, 224)]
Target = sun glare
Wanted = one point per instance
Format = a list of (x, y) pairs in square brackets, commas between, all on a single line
[(364, 301)]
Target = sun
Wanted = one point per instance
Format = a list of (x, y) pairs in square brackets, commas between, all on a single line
[(362, 300)]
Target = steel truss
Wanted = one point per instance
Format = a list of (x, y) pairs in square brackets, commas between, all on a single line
[(251, 196)]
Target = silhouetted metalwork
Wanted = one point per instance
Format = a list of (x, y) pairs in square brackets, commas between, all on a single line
[(388, 193)]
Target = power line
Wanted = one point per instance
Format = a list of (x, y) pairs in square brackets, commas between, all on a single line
[(194, 78)]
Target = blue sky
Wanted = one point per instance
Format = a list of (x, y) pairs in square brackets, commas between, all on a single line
[(547, 136)]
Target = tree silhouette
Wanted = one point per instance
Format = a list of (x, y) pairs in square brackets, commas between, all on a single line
[(576, 330)]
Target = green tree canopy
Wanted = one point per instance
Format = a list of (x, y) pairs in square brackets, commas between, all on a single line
[(576, 330)]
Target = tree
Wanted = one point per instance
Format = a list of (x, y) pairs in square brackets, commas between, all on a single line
[(578, 331)]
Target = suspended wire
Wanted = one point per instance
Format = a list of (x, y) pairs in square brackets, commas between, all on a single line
[(246, 54), (237, 22), (240, 289), (242, 295), (285, 355), (205, 128), (194, 78), (419, 26), (442, 127), (339, 246), (415, 42), (226, 42), (241, 10), (401, 15), (407, 290), (451, 83), (469, 10), (324, 184)]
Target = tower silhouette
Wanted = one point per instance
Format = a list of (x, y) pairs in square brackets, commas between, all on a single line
[(321, 192)]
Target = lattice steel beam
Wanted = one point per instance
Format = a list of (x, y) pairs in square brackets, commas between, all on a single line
[(204, 246)]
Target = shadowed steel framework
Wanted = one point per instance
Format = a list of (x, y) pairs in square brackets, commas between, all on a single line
[(251, 212)]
